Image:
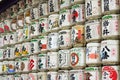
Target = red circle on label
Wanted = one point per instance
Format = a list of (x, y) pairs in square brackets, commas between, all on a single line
[(76, 58)]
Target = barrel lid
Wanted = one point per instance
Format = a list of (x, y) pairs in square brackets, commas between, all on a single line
[(34, 40), (111, 16), (41, 55), (76, 70), (110, 42), (91, 68), (42, 19), (93, 21), (53, 15), (93, 44)]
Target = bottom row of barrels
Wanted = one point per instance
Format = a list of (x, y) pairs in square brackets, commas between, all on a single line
[(89, 73)]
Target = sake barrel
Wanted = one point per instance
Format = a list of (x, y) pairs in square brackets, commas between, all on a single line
[(41, 63), (34, 13), (21, 6), (76, 74), (13, 38), (52, 60), (13, 24), (10, 77), (53, 20), (32, 66), (14, 10), (64, 18), (77, 35), (1, 41), (28, 3), (24, 63), (41, 76), (34, 46), (7, 25), (4, 77), (53, 41), (52, 75), (53, 6), (78, 13), (110, 26), (64, 39), (77, 57), (110, 6), (26, 32), (63, 75), (1, 67), (27, 17), (64, 58), (26, 49), (1, 54), (20, 21), (110, 51), (2, 27), (43, 9), (24, 76), (93, 30), (11, 67), (20, 36), (5, 55), (93, 54), (18, 50), (42, 42), (93, 8), (64, 3), (32, 76), (43, 25), (17, 77), (34, 29), (6, 39), (5, 66), (17, 64), (92, 73), (10, 52), (110, 72)]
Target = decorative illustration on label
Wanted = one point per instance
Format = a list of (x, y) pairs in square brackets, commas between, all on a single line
[(93, 53), (11, 67), (92, 73), (77, 34), (42, 43), (110, 73), (77, 57)]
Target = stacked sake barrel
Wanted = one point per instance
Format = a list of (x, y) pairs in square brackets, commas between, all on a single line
[(60, 40)]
